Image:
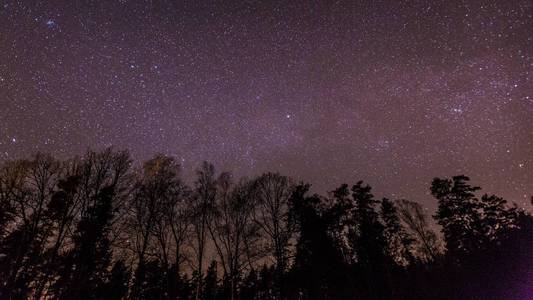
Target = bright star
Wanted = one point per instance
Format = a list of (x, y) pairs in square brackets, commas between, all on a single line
[(50, 23), (457, 110)]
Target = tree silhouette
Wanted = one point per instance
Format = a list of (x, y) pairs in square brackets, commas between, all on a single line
[(272, 193), (92, 227), (150, 193), (204, 198), (469, 224), (31, 187), (210, 288), (398, 241), (425, 241), (116, 287), (318, 271), (85, 267), (367, 238), (233, 231)]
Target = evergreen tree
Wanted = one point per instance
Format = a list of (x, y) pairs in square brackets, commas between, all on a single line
[(116, 287), (61, 213), (266, 283), (153, 286), (185, 288), (85, 268), (496, 217), (469, 224), (458, 214), (368, 240), (249, 288), (210, 288), (319, 271)]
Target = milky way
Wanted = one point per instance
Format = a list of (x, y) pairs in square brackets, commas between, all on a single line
[(391, 92)]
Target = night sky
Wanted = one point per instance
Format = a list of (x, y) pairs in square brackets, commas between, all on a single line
[(391, 92)]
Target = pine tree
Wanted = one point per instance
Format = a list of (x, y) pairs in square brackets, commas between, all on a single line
[(319, 271), (85, 267), (116, 287), (249, 288), (469, 224), (210, 288), (496, 217), (458, 214), (368, 240)]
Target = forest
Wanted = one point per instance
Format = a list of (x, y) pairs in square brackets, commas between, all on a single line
[(98, 226)]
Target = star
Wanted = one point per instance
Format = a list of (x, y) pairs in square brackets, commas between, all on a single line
[(379, 90), (457, 110), (50, 23)]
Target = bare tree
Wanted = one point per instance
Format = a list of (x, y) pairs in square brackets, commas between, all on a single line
[(203, 199), (12, 180), (412, 214), (234, 233), (176, 217), (97, 170), (172, 224), (30, 186), (272, 192), (153, 190), (74, 193)]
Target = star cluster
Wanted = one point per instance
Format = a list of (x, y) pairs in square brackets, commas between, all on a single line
[(392, 92)]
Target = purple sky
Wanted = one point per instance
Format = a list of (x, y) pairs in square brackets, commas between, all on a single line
[(391, 92)]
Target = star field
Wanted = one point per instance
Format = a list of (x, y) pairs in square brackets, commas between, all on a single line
[(391, 92)]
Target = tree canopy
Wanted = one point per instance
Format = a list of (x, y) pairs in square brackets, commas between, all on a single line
[(95, 227)]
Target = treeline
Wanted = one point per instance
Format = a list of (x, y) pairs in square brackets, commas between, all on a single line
[(94, 227)]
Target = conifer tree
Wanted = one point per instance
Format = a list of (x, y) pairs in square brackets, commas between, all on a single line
[(86, 266)]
